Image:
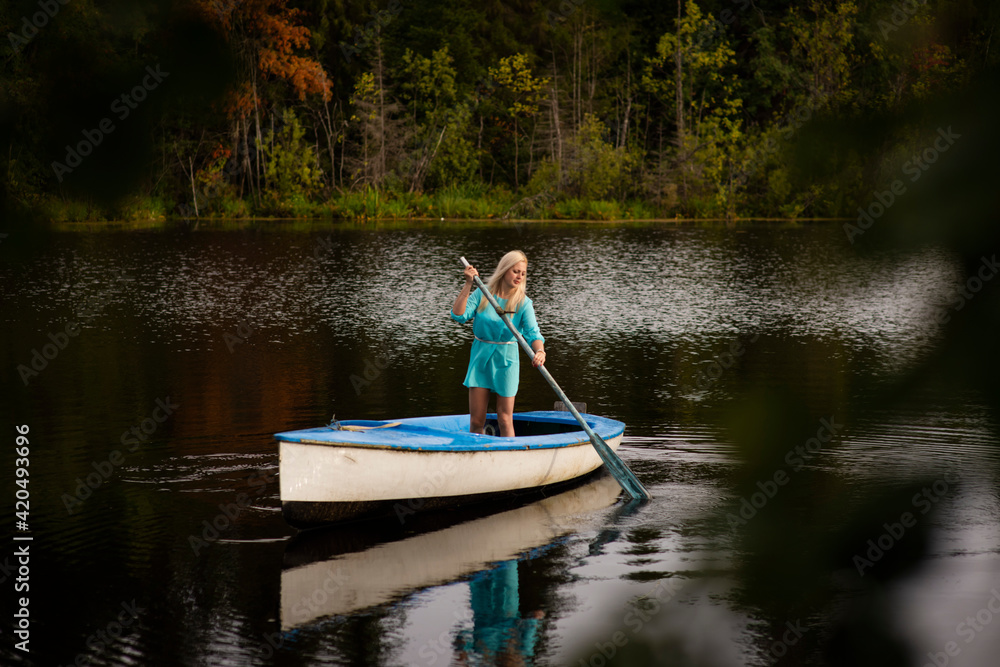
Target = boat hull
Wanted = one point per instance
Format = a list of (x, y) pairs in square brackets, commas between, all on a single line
[(329, 481), (305, 514)]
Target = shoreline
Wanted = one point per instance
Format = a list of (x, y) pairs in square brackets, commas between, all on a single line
[(374, 222)]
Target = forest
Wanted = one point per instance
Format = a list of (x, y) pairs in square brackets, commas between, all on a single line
[(572, 109)]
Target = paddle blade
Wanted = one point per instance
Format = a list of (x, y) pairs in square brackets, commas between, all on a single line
[(621, 472)]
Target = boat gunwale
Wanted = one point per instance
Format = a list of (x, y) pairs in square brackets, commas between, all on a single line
[(443, 449), (449, 441)]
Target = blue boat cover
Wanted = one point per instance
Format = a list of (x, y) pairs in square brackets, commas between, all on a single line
[(451, 433)]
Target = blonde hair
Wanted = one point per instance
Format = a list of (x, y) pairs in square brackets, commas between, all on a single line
[(515, 300)]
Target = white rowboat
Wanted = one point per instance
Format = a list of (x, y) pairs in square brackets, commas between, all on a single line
[(356, 469)]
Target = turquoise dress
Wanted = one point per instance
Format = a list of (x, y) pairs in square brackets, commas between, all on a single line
[(499, 632), (493, 363)]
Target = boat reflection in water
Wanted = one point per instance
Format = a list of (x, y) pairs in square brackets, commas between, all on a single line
[(344, 570)]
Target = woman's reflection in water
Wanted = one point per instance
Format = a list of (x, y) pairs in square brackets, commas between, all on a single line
[(499, 635)]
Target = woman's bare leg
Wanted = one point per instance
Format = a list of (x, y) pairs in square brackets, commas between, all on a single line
[(505, 415), (479, 398)]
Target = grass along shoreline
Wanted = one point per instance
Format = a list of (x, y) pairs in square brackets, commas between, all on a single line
[(451, 204)]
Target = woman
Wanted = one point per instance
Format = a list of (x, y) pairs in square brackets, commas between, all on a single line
[(493, 365)]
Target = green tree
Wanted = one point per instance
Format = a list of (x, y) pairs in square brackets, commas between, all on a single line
[(693, 73), (291, 167), (519, 93), (376, 118), (427, 88), (597, 169), (455, 158), (823, 46)]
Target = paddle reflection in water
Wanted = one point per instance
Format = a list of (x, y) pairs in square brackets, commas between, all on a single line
[(341, 571)]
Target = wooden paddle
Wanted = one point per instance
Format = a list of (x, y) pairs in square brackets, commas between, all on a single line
[(621, 472)]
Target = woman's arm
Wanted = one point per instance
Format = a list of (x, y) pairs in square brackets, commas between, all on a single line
[(458, 308), (529, 329)]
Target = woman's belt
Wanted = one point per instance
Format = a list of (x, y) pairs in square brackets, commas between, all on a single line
[(494, 342)]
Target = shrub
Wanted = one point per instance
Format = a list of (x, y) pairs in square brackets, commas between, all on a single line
[(596, 169), (291, 168), (603, 210)]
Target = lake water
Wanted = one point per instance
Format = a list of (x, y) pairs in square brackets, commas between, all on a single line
[(167, 358)]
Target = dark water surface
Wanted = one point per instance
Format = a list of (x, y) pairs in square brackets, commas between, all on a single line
[(196, 344)]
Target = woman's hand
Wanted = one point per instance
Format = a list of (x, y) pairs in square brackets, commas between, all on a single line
[(458, 308), (538, 359), (470, 271)]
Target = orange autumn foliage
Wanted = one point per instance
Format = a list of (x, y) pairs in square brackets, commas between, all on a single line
[(270, 32), (278, 58)]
